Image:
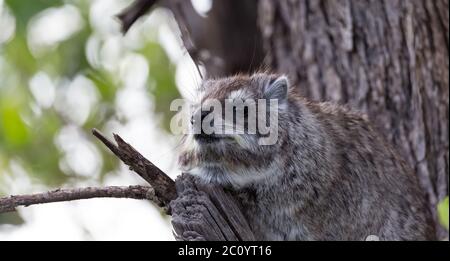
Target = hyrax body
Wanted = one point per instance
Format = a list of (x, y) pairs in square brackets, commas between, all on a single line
[(328, 176)]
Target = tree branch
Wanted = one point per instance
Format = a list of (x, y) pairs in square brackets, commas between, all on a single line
[(133, 12), (9, 204), (199, 211), (161, 191), (230, 21), (163, 185), (139, 7)]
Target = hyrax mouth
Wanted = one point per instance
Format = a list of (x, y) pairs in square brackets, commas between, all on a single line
[(209, 138), (205, 138)]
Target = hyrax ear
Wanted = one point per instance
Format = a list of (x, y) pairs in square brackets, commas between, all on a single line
[(277, 89)]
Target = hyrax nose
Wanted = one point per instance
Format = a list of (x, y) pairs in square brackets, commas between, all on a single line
[(203, 115), (200, 122)]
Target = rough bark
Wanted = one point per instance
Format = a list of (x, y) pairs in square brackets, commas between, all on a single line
[(206, 212), (387, 58)]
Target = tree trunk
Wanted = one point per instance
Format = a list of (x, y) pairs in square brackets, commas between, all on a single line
[(387, 58)]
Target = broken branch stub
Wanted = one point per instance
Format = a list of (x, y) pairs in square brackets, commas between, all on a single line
[(163, 185), (199, 211)]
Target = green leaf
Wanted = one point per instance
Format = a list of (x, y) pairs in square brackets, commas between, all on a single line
[(19, 56), (443, 212), (11, 218), (12, 127), (104, 83)]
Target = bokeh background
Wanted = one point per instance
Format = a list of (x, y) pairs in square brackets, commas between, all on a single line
[(65, 68)]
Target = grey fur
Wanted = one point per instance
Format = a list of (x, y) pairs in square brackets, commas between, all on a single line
[(330, 176)]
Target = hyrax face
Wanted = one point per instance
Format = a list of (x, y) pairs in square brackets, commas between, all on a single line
[(234, 127)]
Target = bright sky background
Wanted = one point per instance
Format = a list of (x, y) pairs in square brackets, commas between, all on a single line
[(101, 219)]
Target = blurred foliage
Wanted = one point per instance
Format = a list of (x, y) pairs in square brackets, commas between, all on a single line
[(28, 130), (164, 88), (443, 212), (11, 218), (23, 10)]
